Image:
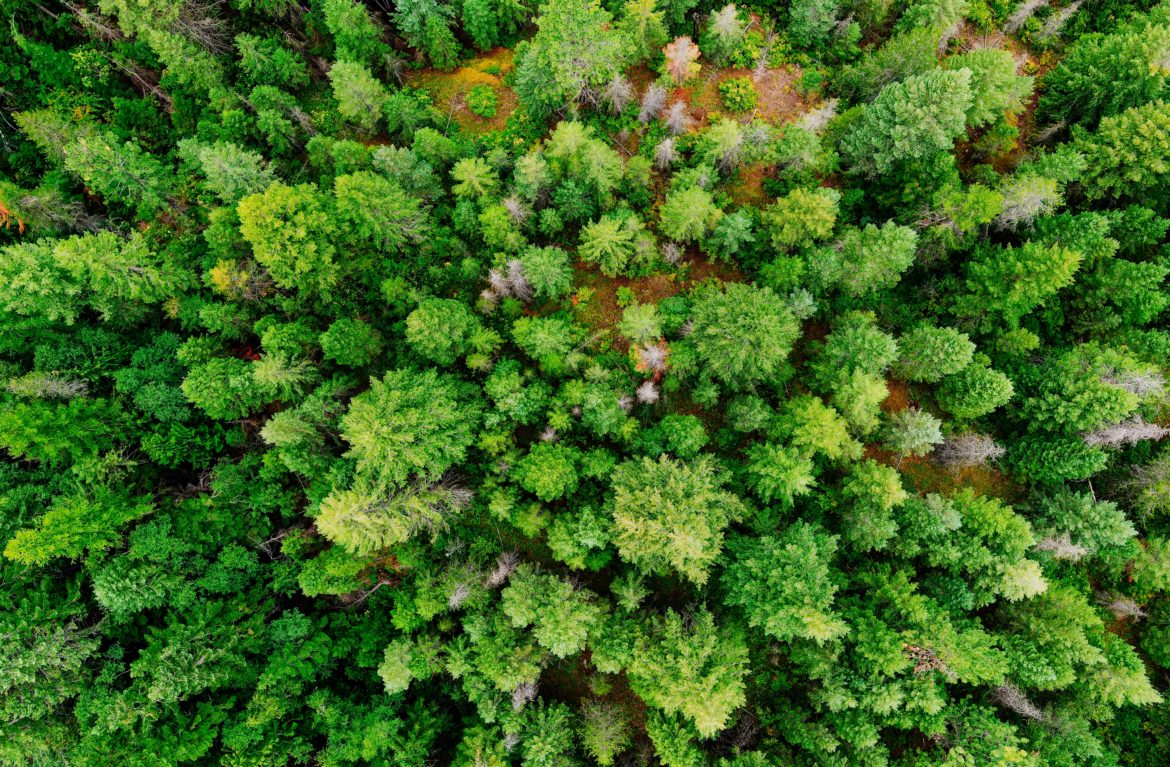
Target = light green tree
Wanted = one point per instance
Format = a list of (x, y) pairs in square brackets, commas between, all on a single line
[(669, 515), (360, 96), (693, 668), (689, 215), (410, 423), (802, 217), (561, 617), (293, 231)]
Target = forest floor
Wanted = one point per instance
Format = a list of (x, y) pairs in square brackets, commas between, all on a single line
[(449, 89), (599, 293)]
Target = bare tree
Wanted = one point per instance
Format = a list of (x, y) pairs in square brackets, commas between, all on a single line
[(647, 393), (725, 26), (618, 94), (757, 134), (652, 357), (519, 282), (516, 209), (1056, 21), (1045, 134), (678, 120), (1013, 699), (1062, 547), (926, 660), (1140, 382), (1023, 12), (732, 148), (815, 120), (589, 96), (524, 694), (1125, 433), (47, 386), (199, 21), (967, 450), (664, 154), (505, 566), (1150, 485), (681, 57), (653, 100), (1026, 198), (458, 596), (1120, 605)]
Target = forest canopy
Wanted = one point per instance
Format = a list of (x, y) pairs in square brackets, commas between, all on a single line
[(654, 383)]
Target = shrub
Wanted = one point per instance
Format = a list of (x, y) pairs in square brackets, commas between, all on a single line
[(483, 101), (738, 94)]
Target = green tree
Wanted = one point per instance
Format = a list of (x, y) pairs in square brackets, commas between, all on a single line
[(426, 24), (1011, 282), (743, 333), (370, 517), (909, 122), (265, 61), (77, 523), (867, 260), (576, 47), (480, 22), (929, 353), (120, 172), (58, 433), (1104, 75), (1053, 460), (785, 583), (1128, 156), (360, 96), (475, 178), (643, 28), (548, 340), (640, 323), (670, 515), (974, 391), (872, 491), (548, 471), (605, 731), (377, 210), (855, 343), (618, 244), (224, 388), (913, 432), (996, 89), (352, 343), (779, 473), (814, 427), (549, 736), (547, 271), (231, 171), (36, 284), (357, 37)]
